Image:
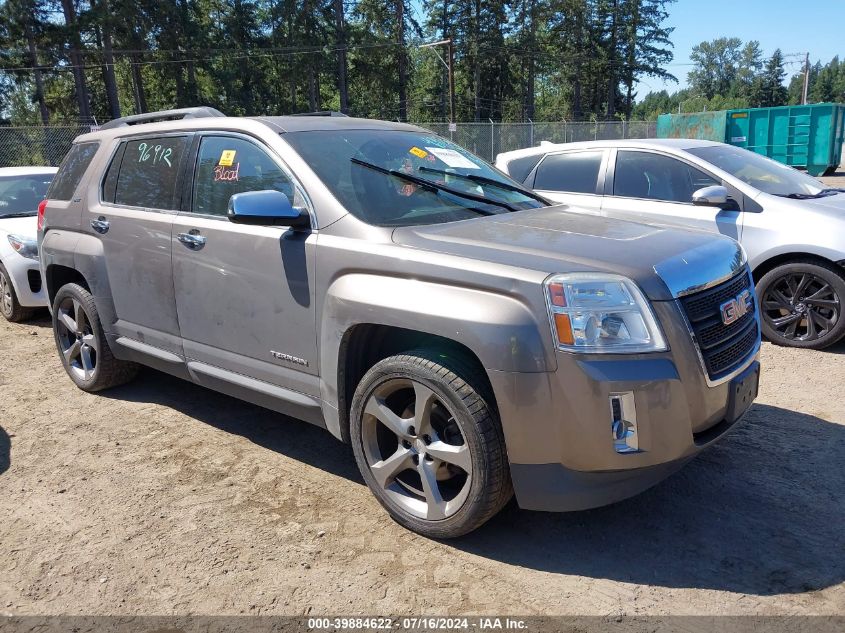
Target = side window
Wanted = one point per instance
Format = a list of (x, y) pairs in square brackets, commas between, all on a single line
[(657, 177), (149, 172), (573, 172), (71, 171), (226, 166)]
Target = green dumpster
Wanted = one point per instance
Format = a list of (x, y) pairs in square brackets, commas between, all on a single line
[(808, 136), (802, 136), (704, 126)]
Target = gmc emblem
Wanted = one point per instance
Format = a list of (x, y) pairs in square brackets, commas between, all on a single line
[(736, 308)]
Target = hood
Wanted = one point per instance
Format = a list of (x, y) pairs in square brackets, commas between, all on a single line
[(831, 206), (25, 227), (556, 240)]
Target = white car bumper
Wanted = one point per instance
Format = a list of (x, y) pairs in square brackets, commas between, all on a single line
[(25, 276)]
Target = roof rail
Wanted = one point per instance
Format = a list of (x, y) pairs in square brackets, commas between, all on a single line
[(320, 113), (163, 115)]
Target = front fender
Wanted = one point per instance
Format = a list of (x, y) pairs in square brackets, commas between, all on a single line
[(500, 330)]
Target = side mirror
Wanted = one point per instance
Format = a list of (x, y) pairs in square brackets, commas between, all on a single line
[(713, 196), (266, 207)]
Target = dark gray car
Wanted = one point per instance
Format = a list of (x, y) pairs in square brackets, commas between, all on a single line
[(372, 278)]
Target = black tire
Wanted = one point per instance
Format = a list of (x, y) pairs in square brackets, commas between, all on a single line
[(10, 308), (458, 389), (812, 317), (96, 369)]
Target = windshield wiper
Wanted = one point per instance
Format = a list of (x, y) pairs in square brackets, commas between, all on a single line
[(806, 196), (833, 190), (435, 187), (19, 214), (490, 181)]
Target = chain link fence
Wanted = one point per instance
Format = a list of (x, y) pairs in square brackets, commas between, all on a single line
[(37, 145), (47, 145), (489, 139)]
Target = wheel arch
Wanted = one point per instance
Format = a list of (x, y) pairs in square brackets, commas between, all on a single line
[(768, 265), (57, 275), (365, 344), (68, 257)]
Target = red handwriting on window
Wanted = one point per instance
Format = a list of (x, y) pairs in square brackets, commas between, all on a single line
[(226, 174)]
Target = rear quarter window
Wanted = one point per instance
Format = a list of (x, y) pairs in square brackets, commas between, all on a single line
[(72, 169), (520, 168)]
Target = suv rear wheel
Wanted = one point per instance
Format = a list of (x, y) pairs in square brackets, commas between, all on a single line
[(9, 306), (429, 444), (801, 304), (82, 345)]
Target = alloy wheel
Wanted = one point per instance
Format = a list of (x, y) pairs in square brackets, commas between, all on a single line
[(78, 342), (6, 300), (801, 307), (416, 450)]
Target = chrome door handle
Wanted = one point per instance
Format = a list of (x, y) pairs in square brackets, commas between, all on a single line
[(192, 240), (101, 225)]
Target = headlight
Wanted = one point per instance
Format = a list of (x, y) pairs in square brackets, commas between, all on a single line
[(599, 313), (23, 246)]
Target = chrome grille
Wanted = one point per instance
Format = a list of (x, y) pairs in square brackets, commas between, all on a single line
[(723, 347)]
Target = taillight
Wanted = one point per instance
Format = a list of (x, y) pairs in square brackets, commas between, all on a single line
[(41, 207)]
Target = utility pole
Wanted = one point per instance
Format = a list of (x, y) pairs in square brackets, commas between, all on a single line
[(806, 94), (450, 67)]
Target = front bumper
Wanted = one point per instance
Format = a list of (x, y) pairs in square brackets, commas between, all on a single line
[(557, 425), (25, 275)]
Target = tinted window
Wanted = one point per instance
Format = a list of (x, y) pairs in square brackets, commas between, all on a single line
[(657, 177), (71, 171), (575, 172), (149, 172), (520, 168), (21, 194), (226, 166)]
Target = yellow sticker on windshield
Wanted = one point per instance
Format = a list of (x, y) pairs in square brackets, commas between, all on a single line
[(227, 158), (419, 153)]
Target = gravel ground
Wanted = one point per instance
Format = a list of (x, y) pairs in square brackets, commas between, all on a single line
[(162, 497)]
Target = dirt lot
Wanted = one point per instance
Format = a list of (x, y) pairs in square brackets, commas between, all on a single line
[(164, 498)]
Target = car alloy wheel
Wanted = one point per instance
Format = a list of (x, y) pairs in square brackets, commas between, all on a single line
[(415, 450), (77, 340), (7, 301), (801, 307)]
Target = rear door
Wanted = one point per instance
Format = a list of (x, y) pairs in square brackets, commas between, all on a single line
[(652, 187), (574, 177), (133, 218), (244, 294)]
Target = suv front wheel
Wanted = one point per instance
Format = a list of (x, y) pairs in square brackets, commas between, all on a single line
[(801, 304), (82, 345), (428, 442)]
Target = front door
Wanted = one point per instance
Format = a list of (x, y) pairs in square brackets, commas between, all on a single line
[(655, 188), (132, 219), (244, 294)]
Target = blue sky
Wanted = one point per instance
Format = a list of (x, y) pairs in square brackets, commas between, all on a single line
[(797, 26)]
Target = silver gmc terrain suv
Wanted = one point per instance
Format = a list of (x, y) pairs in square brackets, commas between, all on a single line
[(469, 340)]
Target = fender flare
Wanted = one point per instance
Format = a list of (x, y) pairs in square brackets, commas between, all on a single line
[(500, 330), (84, 254)]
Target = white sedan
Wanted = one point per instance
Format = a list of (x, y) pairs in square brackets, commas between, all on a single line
[(21, 191), (791, 225)]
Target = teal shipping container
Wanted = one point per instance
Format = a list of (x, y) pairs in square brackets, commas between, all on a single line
[(808, 136)]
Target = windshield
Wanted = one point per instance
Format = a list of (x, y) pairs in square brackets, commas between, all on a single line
[(20, 195), (759, 172), (433, 180)]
